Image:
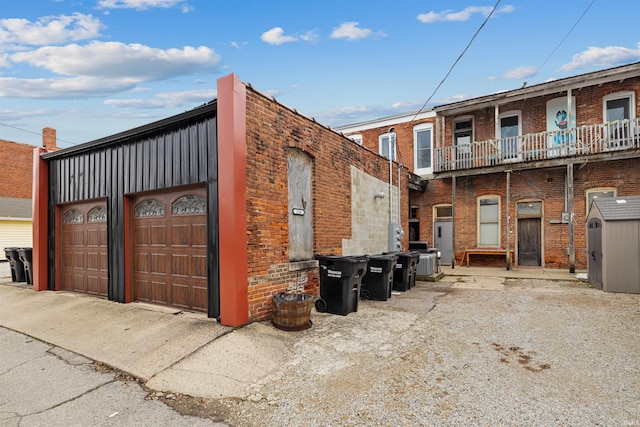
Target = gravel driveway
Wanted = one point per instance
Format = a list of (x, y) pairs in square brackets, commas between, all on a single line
[(490, 352)]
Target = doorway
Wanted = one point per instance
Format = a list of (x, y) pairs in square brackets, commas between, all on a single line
[(594, 238), (529, 216), (443, 240)]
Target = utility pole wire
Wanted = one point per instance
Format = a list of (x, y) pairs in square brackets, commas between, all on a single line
[(35, 133), (564, 38), (457, 60)]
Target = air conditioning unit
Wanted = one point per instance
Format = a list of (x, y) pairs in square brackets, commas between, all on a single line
[(428, 265)]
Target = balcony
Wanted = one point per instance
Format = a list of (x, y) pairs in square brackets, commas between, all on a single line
[(581, 141)]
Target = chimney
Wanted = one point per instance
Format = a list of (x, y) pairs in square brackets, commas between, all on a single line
[(49, 139)]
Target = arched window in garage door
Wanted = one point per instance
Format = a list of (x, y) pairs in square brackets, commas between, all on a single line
[(170, 250)]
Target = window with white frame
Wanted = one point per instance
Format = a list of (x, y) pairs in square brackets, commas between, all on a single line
[(386, 143), (595, 193), (489, 221), (423, 149), (442, 212), (357, 138), (618, 109), (510, 132), (619, 106)]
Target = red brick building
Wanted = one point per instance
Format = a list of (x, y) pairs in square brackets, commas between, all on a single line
[(16, 182), (515, 172), (213, 210)]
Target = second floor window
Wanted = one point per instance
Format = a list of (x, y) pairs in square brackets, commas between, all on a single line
[(423, 143), (386, 144), (463, 134), (509, 135)]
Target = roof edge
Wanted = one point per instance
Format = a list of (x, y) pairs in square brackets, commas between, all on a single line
[(211, 106)]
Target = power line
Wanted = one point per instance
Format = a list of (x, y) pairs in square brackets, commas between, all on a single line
[(457, 60), (36, 133), (564, 38)]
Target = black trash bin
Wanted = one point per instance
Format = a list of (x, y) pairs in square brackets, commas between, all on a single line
[(25, 255), (340, 282), (17, 267), (378, 281), (404, 276)]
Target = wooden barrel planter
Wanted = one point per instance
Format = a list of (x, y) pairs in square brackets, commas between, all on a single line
[(292, 312)]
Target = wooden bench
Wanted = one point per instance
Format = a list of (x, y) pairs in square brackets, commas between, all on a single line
[(485, 251)]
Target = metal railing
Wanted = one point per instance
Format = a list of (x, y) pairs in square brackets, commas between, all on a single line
[(584, 140)]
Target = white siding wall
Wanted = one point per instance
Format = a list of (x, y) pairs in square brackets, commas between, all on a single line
[(15, 234)]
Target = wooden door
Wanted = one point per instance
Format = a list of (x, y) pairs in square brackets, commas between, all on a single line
[(300, 206), (529, 242), (83, 258), (169, 248)]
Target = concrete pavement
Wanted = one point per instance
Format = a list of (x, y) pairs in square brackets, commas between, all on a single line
[(41, 384), (183, 352)]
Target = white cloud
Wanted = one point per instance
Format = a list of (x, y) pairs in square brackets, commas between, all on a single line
[(350, 31), (69, 88), (603, 57), (166, 100), (276, 37), (461, 16), (118, 60), (49, 30), (142, 4), (516, 73), (238, 45), (310, 36)]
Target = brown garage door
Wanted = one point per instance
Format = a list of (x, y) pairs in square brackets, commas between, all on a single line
[(83, 248), (169, 240)]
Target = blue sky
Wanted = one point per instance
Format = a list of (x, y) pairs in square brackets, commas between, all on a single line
[(92, 68)]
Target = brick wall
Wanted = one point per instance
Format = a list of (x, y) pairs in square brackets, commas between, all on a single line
[(546, 185), (272, 130), (16, 165), (589, 110), (404, 139)]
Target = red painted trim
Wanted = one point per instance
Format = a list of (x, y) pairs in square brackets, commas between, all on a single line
[(127, 250), (40, 196), (232, 183), (57, 244)]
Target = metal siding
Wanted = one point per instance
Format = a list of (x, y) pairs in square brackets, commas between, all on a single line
[(193, 153), (152, 174), (184, 156), (160, 161), (168, 160), (210, 152), (140, 160), (175, 148), (202, 151), (87, 176), (139, 165)]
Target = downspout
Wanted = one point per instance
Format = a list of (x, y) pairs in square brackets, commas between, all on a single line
[(453, 221), (569, 117), (399, 205), (508, 220), (572, 251)]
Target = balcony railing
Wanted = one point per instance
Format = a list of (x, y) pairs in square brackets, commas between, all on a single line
[(584, 140)]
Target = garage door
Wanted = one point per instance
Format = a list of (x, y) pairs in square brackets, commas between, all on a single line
[(83, 248), (169, 244)]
